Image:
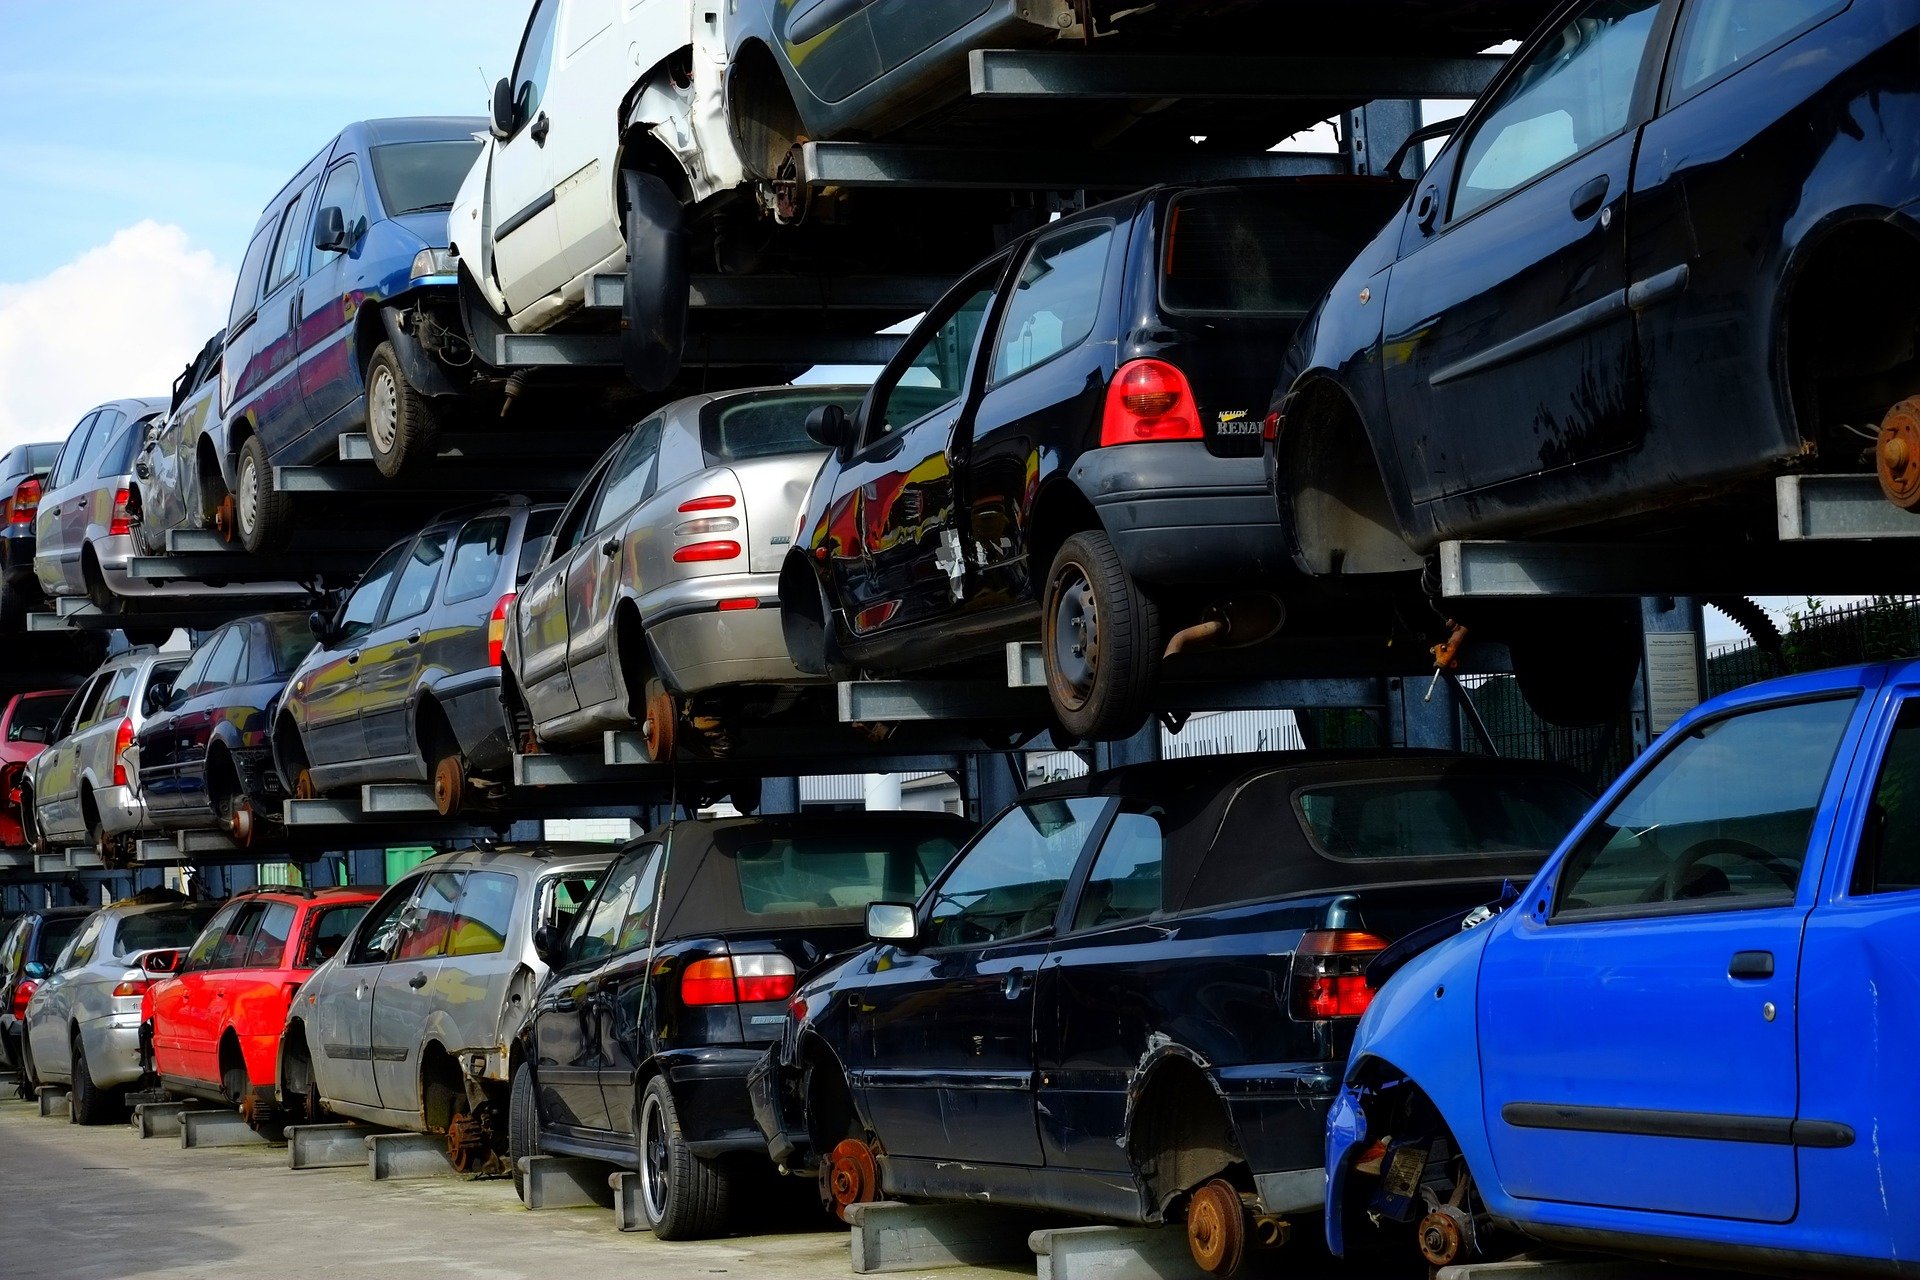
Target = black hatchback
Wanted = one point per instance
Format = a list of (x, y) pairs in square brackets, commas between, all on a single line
[(674, 980), (1068, 448)]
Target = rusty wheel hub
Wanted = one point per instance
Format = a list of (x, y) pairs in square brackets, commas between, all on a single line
[(240, 823), (1442, 1241), (1897, 455), (303, 788), (1217, 1228), (849, 1177), (663, 722), (224, 523), (470, 1144), (449, 785), (791, 194)]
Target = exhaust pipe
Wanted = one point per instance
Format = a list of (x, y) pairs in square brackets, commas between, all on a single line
[(1233, 623)]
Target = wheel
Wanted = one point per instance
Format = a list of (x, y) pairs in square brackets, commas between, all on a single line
[(683, 1196), (1101, 641), (1576, 664), (29, 1086), (290, 759), (263, 515), (450, 790), (401, 423), (523, 1127), (90, 1103), (662, 725), (1217, 1228), (654, 328), (300, 1091)]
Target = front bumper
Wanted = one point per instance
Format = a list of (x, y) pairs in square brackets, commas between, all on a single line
[(478, 723), (1178, 514), (1346, 1134), (700, 646)]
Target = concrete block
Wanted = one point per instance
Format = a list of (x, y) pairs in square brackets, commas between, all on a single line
[(159, 1119), (1114, 1253), (627, 1213), (888, 1236), (326, 1146), (558, 1182), (216, 1129), (391, 1156), (54, 1102)]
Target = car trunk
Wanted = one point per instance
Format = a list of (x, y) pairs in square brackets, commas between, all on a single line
[(761, 1022)]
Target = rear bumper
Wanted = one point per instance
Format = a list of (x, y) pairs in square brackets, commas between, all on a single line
[(113, 1049), (710, 1094), (479, 722), (1178, 514), (120, 809), (16, 557), (700, 646), (766, 1094)]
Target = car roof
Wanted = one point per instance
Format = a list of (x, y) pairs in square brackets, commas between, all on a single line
[(540, 858), (380, 131), (686, 410), (1229, 772), (132, 406)]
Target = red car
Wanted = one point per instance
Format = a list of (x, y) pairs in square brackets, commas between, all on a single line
[(25, 726), (215, 1024)]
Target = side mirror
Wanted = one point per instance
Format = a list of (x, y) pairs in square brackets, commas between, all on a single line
[(548, 945), (159, 698), (503, 113), (830, 427), (892, 922), (321, 626), (330, 231), (31, 733), (162, 960), (35, 970)]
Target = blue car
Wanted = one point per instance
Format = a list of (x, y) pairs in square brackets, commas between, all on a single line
[(344, 316), (1693, 1035)]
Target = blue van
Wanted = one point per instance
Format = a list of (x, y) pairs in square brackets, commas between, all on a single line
[(344, 315)]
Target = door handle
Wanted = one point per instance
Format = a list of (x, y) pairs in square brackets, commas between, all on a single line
[(1015, 983), (353, 659), (612, 547), (539, 131), (413, 637), (1751, 965), (417, 981), (1591, 195)]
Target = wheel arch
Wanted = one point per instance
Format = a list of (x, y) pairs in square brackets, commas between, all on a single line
[(1060, 510), (639, 149), (1179, 1130), (764, 119), (1335, 499)]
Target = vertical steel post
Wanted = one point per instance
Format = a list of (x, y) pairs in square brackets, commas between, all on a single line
[(1673, 666)]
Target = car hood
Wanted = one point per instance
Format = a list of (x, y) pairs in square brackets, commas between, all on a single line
[(429, 227)]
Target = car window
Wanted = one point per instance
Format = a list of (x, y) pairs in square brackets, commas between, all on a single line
[(1262, 250), (1010, 881), (561, 898), (268, 950), (222, 663), (1125, 881), (119, 694), (1572, 92), (289, 640), (118, 457), (600, 930), (168, 927), (476, 558), (200, 954), (533, 540), (414, 177), (72, 452), (809, 871), (79, 951), (290, 248), (1720, 36), (767, 425), (573, 526), (229, 950), (380, 932), (414, 592), (37, 712), (246, 290), (1055, 299), (631, 477), (341, 190), (430, 918), (1465, 816), (103, 428), (485, 914), (54, 934), (329, 929), (77, 706), (363, 606), (194, 673), (536, 57), (40, 457), (932, 369), (1889, 857), (1722, 817)]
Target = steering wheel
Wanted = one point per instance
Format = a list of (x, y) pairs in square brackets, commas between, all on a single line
[(1671, 887)]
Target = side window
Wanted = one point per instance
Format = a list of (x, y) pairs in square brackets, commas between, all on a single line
[(327, 932), (77, 706), (117, 460), (195, 672), (71, 452), (1056, 300), (476, 558), (80, 950), (1889, 857), (1722, 817), (1721, 36), (1009, 884), (223, 664), (246, 290), (289, 249), (380, 933), (536, 58), (429, 920), (119, 693), (200, 954), (485, 915), (1125, 881), (631, 478), (573, 525), (414, 592), (598, 930), (341, 190), (231, 951), (102, 437), (931, 373), (268, 950), (363, 606), (1573, 91)]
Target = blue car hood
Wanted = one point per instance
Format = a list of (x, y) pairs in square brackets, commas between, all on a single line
[(429, 227)]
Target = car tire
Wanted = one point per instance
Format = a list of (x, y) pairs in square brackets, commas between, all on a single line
[(1101, 641), (1576, 664), (402, 424), (29, 1086), (523, 1127), (90, 1104), (682, 1196), (654, 306), (263, 515)]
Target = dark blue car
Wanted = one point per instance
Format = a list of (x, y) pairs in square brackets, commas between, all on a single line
[(1693, 1035), (344, 314)]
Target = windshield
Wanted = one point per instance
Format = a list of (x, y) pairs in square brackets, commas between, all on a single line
[(119, 458), (170, 927), (416, 176), (1256, 251), (40, 456), (766, 426), (805, 874), (1455, 817)]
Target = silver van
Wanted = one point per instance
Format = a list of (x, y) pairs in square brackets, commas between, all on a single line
[(410, 1023)]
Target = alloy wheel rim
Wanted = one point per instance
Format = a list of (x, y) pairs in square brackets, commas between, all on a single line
[(249, 500), (653, 1159), (383, 410), (1076, 633)]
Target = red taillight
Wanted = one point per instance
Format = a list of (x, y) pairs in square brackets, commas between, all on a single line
[(1270, 429), (133, 987), (22, 992), (1330, 974), (701, 551), (25, 502), (497, 629), (739, 980), (122, 523), (717, 502), (121, 741), (738, 603), (1149, 400)]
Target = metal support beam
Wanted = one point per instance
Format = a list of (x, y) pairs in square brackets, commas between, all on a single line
[(326, 1146), (992, 782), (1376, 132), (476, 476), (1017, 75), (602, 351), (860, 164), (883, 701), (904, 294), (392, 1156), (1415, 720), (1673, 679), (564, 1182), (780, 795), (1828, 508), (1142, 748), (381, 799), (1492, 570), (1111, 1253), (217, 1129)]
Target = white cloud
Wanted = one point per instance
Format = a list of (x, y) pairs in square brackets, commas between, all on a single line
[(120, 320)]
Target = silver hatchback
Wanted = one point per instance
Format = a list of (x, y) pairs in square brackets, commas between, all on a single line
[(409, 1025), (83, 529)]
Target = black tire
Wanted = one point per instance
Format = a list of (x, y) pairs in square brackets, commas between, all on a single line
[(1576, 664), (402, 424), (683, 1196), (654, 308), (523, 1126), (262, 514), (29, 1086), (89, 1104), (290, 759), (14, 608), (155, 636), (1101, 640)]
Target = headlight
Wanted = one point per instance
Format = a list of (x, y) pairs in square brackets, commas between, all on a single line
[(434, 262)]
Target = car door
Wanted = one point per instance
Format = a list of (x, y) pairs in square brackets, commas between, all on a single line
[(391, 657), (174, 741), (830, 46), (210, 1006), (342, 1008), (595, 571), (896, 499), (942, 1046), (590, 53), (626, 1018), (56, 555), (1637, 1012), (77, 503), (331, 731), (56, 771), (51, 1010), (1509, 340), (905, 29), (542, 607), (470, 991), (180, 1005), (520, 180), (403, 993), (336, 288), (279, 413)]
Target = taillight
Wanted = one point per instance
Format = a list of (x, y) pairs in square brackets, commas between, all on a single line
[(132, 987), (122, 523), (25, 502), (1149, 400), (734, 604), (22, 992), (705, 525), (497, 629), (1270, 429), (717, 502), (702, 551), (1330, 974), (121, 742), (737, 980)]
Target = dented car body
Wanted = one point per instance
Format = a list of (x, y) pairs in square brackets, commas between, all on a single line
[(1690, 1034)]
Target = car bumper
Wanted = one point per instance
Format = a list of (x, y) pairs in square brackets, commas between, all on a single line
[(478, 721), (1346, 1134), (121, 810), (699, 645), (710, 1093), (113, 1049), (767, 1096), (1178, 514), (16, 557)]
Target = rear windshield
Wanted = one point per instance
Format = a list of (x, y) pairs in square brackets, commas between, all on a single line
[(55, 934), (766, 426), (1451, 817), (37, 711), (806, 874), (533, 543), (1264, 252), (291, 639), (329, 929), (119, 459), (416, 176), (40, 457), (170, 927)]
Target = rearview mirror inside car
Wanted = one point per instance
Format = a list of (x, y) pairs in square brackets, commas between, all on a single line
[(503, 113), (330, 231), (159, 698), (829, 426), (892, 922)]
